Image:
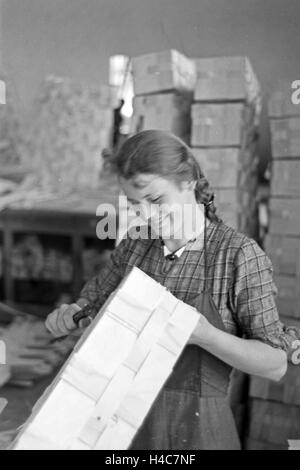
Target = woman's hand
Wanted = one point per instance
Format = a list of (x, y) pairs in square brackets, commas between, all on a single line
[(202, 332), (60, 322)]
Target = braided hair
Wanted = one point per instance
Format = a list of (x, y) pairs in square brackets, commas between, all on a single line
[(163, 154)]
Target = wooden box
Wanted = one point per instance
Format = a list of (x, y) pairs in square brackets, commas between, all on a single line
[(252, 444), (220, 125), (166, 111), (238, 209), (225, 79), (286, 178), (285, 137), (284, 216), (280, 103), (274, 422), (286, 391), (284, 253), (101, 397), (163, 71), (229, 167)]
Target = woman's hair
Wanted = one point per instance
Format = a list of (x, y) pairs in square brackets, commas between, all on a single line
[(163, 154)]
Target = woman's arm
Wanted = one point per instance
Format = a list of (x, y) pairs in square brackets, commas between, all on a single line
[(265, 345), (248, 355)]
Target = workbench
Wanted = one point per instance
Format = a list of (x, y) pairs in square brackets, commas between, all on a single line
[(72, 216)]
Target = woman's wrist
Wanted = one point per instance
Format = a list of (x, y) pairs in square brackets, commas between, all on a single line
[(204, 333)]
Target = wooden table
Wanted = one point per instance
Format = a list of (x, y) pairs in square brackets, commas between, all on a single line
[(73, 216)]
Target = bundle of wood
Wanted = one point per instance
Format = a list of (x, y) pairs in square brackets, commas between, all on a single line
[(30, 351), (225, 120), (164, 83), (102, 396), (72, 125)]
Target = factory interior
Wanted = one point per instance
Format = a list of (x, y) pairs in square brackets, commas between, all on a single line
[(78, 80)]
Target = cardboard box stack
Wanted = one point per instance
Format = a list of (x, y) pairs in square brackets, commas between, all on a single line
[(225, 120), (164, 83), (275, 407), (73, 124)]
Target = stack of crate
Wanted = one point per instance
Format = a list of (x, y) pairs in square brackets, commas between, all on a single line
[(275, 408), (225, 121), (164, 83)]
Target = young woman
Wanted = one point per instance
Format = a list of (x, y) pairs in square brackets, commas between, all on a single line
[(221, 272)]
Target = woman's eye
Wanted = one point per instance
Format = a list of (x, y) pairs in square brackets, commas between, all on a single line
[(156, 200)]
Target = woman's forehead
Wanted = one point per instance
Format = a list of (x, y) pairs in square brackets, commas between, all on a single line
[(144, 184)]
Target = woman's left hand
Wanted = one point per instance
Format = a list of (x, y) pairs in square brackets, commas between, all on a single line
[(202, 332)]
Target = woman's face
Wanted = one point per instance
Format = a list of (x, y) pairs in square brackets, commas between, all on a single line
[(164, 204)]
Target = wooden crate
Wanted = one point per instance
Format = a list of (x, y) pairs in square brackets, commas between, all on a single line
[(284, 253), (286, 178), (225, 79), (280, 103), (285, 138), (273, 422), (238, 209), (252, 444), (221, 125), (286, 391), (229, 167), (101, 397), (288, 300), (284, 216), (163, 71), (165, 111)]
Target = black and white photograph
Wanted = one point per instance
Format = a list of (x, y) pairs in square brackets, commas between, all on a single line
[(149, 227)]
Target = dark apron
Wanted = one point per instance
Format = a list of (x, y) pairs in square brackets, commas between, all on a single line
[(192, 411)]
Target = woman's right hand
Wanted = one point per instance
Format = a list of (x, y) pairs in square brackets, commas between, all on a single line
[(60, 322)]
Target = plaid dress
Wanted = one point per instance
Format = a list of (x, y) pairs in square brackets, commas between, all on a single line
[(192, 411)]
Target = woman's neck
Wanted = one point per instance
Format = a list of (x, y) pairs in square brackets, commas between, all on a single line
[(193, 227)]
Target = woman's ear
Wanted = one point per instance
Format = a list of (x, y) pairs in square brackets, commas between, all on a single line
[(188, 185)]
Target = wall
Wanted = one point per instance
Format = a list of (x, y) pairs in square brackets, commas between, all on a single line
[(76, 37)]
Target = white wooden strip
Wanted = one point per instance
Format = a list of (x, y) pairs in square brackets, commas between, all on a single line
[(148, 337), (117, 436), (64, 416), (85, 379), (107, 347), (107, 405), (184, 317), (140, 286), (146, 386)]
